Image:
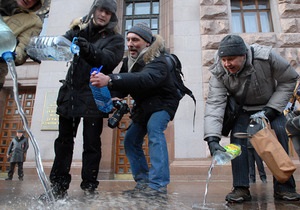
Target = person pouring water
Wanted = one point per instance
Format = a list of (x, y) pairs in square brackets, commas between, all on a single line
[(272, 82), (20, 17)]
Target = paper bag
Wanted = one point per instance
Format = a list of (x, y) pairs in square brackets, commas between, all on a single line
[(267, 146)]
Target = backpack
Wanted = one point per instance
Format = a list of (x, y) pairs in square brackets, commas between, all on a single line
[(175, 68)]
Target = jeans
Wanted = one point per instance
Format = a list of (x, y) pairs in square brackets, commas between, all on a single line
[(253, 158), (240, 166), (158, 175), (63, 146)]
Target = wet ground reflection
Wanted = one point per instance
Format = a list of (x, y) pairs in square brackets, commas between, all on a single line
[(182, 195)]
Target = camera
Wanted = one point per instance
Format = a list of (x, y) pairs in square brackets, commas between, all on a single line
[(122, 108)]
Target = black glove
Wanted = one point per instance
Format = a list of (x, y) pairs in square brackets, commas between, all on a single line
[(270, 113), (213, 144), (84, 45)]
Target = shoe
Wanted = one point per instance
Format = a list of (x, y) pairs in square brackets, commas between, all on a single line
[(287, 196), (149, 192), (138, 187), (89, 189), (252, 181), (8, 178), (264, 181), (58, 194), (21, 178), (238, 195)]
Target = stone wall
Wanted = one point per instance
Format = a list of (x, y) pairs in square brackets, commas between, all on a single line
[(215, 24)]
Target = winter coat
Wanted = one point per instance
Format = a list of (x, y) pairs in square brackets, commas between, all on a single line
[(23, 23), (75, 97), (17, 149), (149, 83), (272, 84)]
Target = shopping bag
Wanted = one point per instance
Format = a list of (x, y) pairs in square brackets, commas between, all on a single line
[(267, 146)]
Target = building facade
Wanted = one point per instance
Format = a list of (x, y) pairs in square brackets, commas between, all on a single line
[(192, 30)]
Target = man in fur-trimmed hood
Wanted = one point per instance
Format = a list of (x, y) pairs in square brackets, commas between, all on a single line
[(20, 17), (146, 77), (100, 45)]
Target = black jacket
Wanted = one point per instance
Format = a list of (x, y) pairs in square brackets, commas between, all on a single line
[(75, 98), (149, 83)]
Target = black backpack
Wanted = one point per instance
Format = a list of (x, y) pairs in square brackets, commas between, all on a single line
[(175, 68)]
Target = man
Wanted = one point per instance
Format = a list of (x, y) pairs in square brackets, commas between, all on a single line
[(16, 154), (100, 44), (20, 17), (271, 86), (145, 76)]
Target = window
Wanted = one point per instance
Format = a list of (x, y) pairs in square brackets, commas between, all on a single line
[(141, 11), (251, 16)]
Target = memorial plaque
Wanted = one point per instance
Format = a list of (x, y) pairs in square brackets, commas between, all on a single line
[(50, 118)]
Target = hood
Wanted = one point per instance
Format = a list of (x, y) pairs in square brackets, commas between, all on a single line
[(155, 49), (110, 5)]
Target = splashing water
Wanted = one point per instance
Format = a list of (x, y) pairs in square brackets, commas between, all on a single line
[(40, 170)]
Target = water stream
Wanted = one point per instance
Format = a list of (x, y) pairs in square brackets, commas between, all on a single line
[(40, 170)]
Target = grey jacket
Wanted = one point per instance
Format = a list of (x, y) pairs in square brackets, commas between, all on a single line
[(17, 149), (272, 83)]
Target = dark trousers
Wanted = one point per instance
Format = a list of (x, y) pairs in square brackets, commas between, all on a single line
[(63, 147), (253, 158), (240, 166), (12, 169)]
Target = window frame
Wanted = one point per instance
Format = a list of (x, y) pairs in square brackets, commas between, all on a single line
[(258, 11)]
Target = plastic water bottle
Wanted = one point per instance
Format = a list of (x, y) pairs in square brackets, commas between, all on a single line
[(101, 95), (8, 40), (232, 151), (57, 48)]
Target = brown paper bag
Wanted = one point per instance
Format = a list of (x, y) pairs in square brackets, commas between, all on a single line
[(267, 146)]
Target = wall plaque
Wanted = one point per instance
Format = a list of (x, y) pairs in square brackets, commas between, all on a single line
[(50, 118)]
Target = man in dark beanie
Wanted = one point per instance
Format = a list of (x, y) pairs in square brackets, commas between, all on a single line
[(271, 83), (145, 76), (16, 154), (100, 45)]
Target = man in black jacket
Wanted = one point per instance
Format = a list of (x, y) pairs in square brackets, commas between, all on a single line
[(146, 77), (100, 45)]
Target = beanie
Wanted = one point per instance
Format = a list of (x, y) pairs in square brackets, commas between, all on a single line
[(143, 30), (232, 45)]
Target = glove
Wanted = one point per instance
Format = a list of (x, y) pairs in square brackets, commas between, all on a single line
[(84, 45), (213, 144), (270, 113)]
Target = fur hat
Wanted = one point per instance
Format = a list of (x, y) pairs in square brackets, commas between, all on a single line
[(110, 5), (232, 45), (143, 30)]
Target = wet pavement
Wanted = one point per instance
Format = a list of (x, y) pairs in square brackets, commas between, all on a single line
[(184, 192)]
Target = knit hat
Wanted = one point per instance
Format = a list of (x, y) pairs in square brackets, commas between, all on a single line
[(232, 45), (110, 5), (143, 30), (20, 131)]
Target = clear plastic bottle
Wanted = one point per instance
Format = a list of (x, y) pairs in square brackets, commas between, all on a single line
[(8, 40), (57, 48), (232, 151), (101, 95)]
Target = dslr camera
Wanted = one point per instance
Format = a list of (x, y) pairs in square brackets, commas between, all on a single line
[(122, 108)]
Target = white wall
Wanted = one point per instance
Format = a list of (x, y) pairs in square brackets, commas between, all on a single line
[(187, 46)]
